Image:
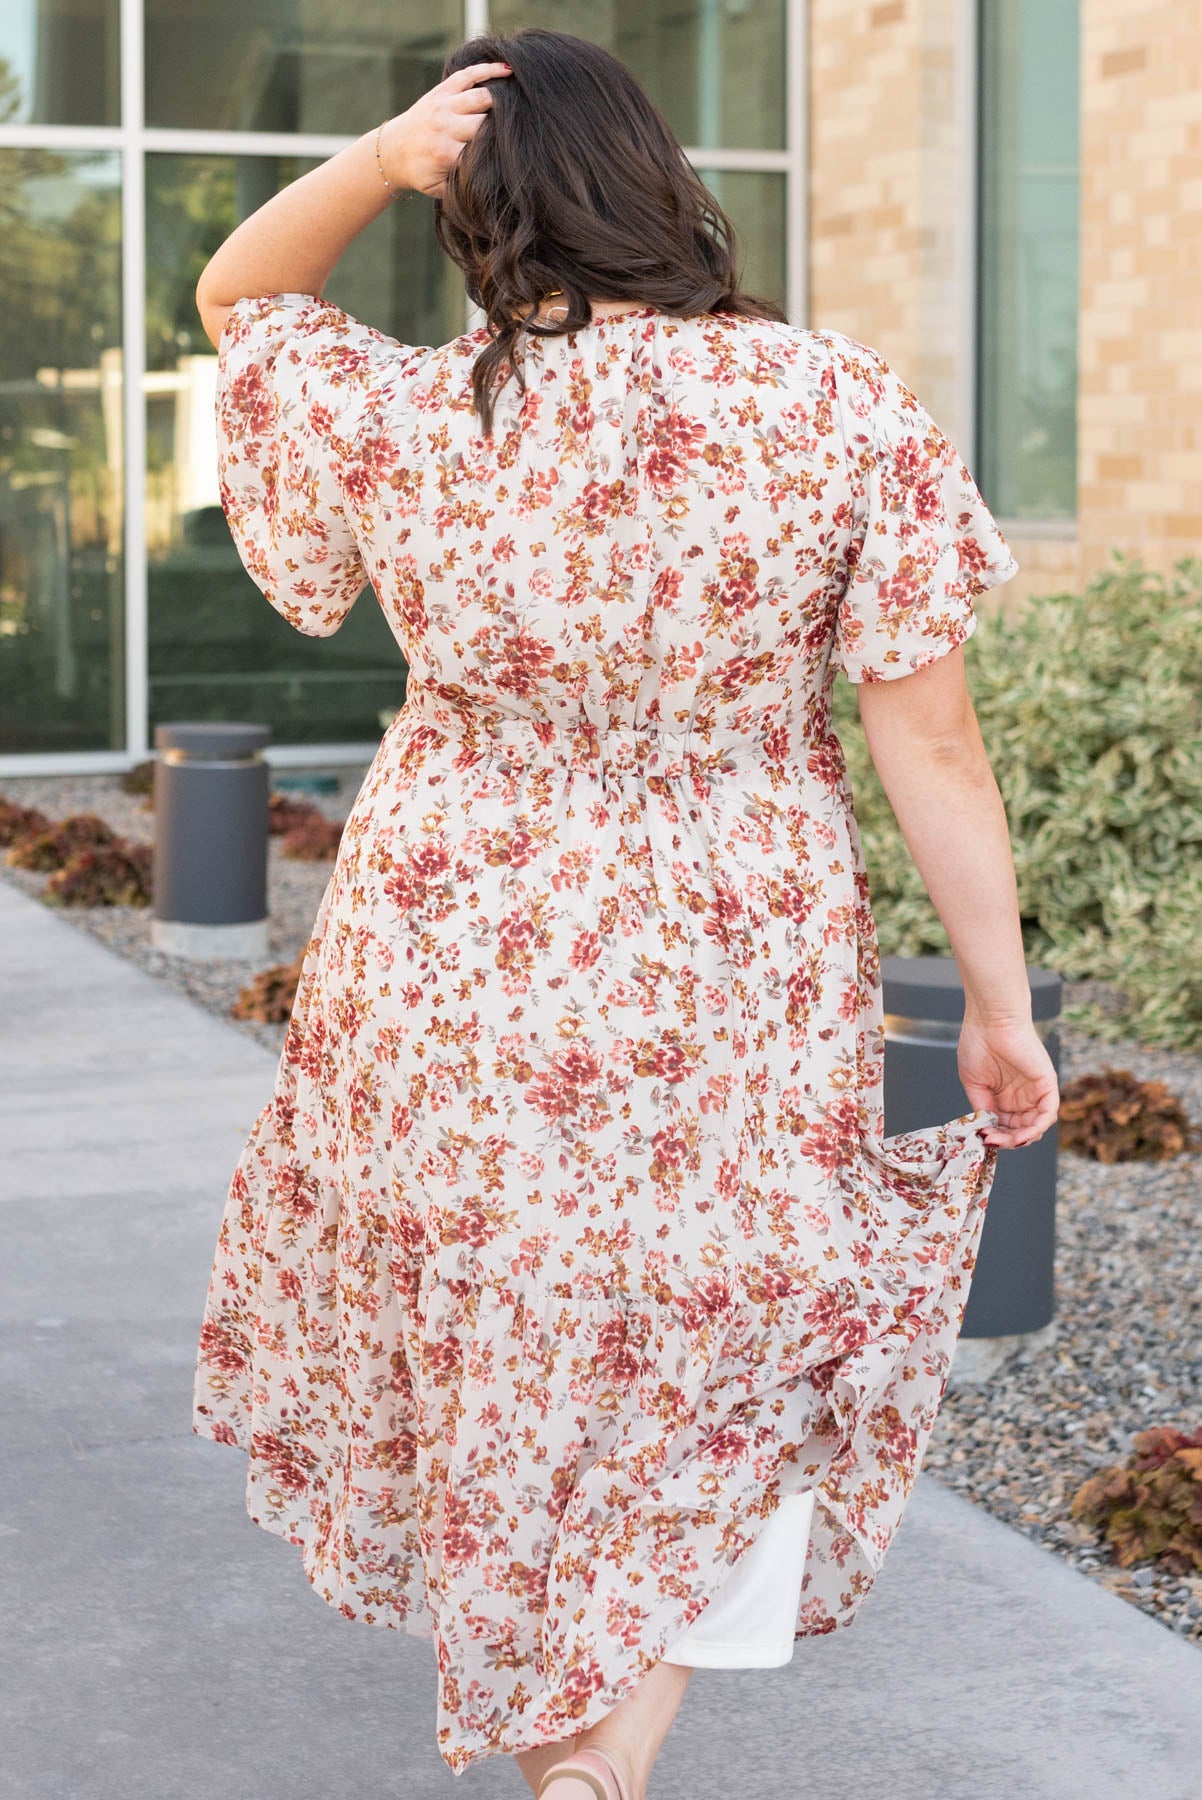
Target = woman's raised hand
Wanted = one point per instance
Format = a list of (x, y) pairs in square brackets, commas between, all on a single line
[(291, 244), (1005, 1068), (419, 146)]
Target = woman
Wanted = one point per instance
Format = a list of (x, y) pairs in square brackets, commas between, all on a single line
[(569, 1304)]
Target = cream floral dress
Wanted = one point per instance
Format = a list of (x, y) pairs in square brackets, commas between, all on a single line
[(568, 1242)]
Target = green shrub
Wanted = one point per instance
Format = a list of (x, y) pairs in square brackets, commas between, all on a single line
[(1091, 710)]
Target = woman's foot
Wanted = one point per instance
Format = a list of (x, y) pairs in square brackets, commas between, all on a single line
[(535, 1763), (566, 1787), (630, 1735), (588, 1774)]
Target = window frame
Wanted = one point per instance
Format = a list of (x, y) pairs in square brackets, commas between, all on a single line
[(134, 141)]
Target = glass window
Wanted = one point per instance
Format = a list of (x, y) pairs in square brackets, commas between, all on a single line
[(1027, 324), (293, 65), (217, 650), (755, 205), (715, 68), (61, 640), (59, 62)]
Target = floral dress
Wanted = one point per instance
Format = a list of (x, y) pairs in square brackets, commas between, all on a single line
[(568, 1243)]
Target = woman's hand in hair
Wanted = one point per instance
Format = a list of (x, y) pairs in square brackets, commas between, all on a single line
[(419, 146), (291, 244)]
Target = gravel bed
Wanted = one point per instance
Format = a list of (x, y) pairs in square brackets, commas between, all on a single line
[(1125, 1352), (294, 889)]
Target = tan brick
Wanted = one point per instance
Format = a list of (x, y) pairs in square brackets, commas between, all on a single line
[(1142, 193), (1116, 468), (883, 189), (1123, 62)]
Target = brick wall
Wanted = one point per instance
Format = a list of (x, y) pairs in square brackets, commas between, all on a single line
[(887, 265), (888, 213), (1140, 409), (883, 187)]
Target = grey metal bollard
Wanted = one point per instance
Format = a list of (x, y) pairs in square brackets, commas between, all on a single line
[(1013, 1286), (210, 843)]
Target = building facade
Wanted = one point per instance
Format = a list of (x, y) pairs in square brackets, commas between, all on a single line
[(1006, 200), (1002, 196)]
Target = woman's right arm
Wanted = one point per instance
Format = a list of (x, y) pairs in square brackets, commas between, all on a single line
[(292, 243), (927, 749)]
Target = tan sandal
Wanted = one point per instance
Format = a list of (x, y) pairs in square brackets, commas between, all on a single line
[(595, 1768)]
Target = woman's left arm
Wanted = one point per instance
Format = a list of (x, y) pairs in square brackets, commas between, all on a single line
[(291, 244)]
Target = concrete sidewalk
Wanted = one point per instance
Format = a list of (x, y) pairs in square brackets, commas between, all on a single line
[(157, 1644)]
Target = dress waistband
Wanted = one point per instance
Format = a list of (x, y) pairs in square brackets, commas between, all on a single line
[(773, 735)]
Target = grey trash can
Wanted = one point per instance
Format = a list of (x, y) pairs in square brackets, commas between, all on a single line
[(211, 788), (1013, 1286)]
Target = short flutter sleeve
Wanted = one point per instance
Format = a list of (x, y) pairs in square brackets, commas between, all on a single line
[(295, 376), (923, 543)]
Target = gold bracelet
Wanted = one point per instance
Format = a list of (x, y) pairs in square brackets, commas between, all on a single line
[(380, 164)]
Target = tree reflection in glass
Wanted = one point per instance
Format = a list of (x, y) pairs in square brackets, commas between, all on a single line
[(755, 204), (61, 641), (217, 650), (60, 62), (292, 65), (715, 70)]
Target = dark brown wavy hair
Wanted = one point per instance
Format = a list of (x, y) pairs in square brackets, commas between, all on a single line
[(573, 180)]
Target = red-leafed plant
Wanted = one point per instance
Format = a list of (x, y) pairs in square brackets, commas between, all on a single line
[(269, 998), (285, 814), (1114, 1117), (140, 779), (20, 822), (315, 840), (112, 874), (1150, 1506), (58, 844)]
